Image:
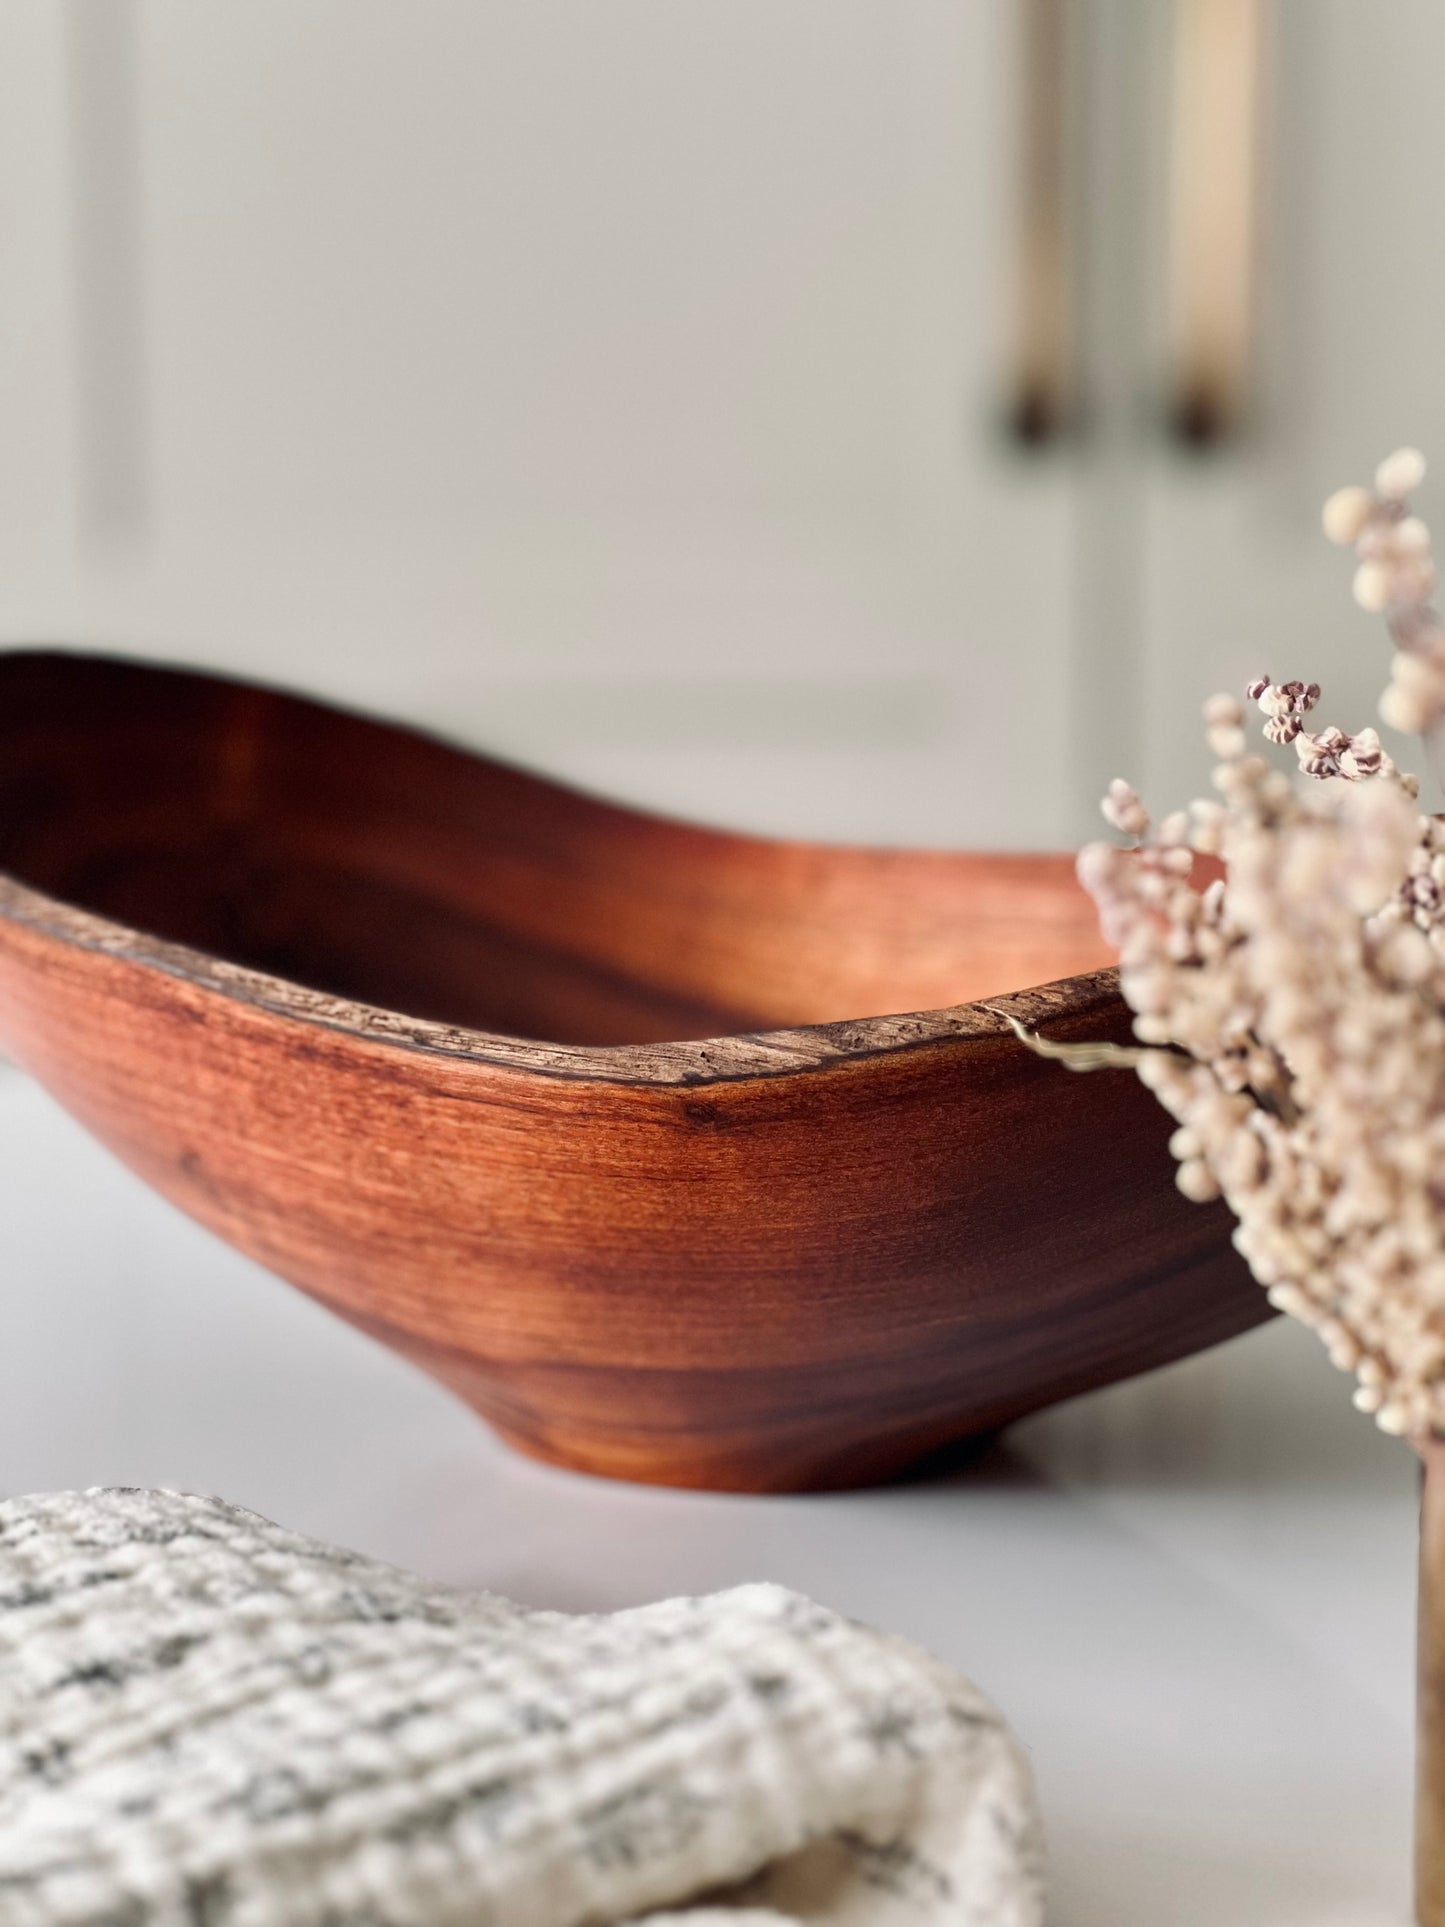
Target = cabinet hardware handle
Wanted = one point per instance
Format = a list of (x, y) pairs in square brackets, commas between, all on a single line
[(1041, 392), (1216, 167)]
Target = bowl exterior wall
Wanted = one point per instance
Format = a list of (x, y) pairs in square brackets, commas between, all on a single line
[(776, 1282)]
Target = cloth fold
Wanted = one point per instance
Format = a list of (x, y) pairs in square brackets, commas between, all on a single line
[(209, 1721)]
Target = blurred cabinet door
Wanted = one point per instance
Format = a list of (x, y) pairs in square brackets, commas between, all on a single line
[(1237, 577), (615, 385)]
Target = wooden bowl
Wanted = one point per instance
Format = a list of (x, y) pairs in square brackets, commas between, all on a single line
[(607, 1122)]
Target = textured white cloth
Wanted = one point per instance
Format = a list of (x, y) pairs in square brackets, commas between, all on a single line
[(208, 1721)]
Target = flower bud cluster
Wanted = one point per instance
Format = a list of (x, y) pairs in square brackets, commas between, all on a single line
[(1396, 577), (1295, 1008), (1325, 752), (1286, 704), (1293, 1011)]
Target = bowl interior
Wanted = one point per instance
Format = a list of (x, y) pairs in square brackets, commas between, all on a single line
[(378, 864)]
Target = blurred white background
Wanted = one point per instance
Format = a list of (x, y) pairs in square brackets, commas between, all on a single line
[(622, 384)]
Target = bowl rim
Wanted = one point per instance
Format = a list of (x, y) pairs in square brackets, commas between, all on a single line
[(707, 1060), (712, 1060)]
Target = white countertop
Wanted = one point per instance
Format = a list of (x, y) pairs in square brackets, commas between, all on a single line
[(1193, 1595)]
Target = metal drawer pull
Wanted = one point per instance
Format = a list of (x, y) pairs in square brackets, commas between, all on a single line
[(1041, 389), (1220, 51)]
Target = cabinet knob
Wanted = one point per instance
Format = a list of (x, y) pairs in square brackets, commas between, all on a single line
[(1216, 169), (1041, 399)]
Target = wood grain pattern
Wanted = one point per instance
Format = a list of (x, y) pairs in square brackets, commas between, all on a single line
[(575, 1107)]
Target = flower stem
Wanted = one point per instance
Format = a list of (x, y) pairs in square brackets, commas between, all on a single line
[(1430, 1692)]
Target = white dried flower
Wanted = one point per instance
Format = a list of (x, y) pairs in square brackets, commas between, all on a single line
[(1396, 578), (1293, 1014), (1345, 515), (1285, 704), (1372, 587), (1400, 474), (1225, 741), (1197, 1181), (1122, 808), (1410, 537)]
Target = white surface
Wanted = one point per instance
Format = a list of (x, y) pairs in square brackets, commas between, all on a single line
[(1192, 1595)]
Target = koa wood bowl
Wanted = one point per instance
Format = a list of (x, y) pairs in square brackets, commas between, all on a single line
[(607, 1122)]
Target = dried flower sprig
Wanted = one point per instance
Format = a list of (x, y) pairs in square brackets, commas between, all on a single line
[(1396, 578), (1292, 1013), (1326, 752)]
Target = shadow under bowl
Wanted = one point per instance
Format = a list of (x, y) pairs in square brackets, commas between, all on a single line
[(573, 1106)]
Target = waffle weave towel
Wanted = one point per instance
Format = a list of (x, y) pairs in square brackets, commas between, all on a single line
[(208, 1721)]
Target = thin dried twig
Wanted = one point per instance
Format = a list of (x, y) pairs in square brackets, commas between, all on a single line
[(1100, 1056)]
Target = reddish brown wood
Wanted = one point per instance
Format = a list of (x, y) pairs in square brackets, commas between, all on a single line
[(710, 1225)]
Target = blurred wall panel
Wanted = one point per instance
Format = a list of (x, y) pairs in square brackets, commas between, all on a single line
[(39, 449), (1237, 578), (616, 386), (619, 386), (108, 272)]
